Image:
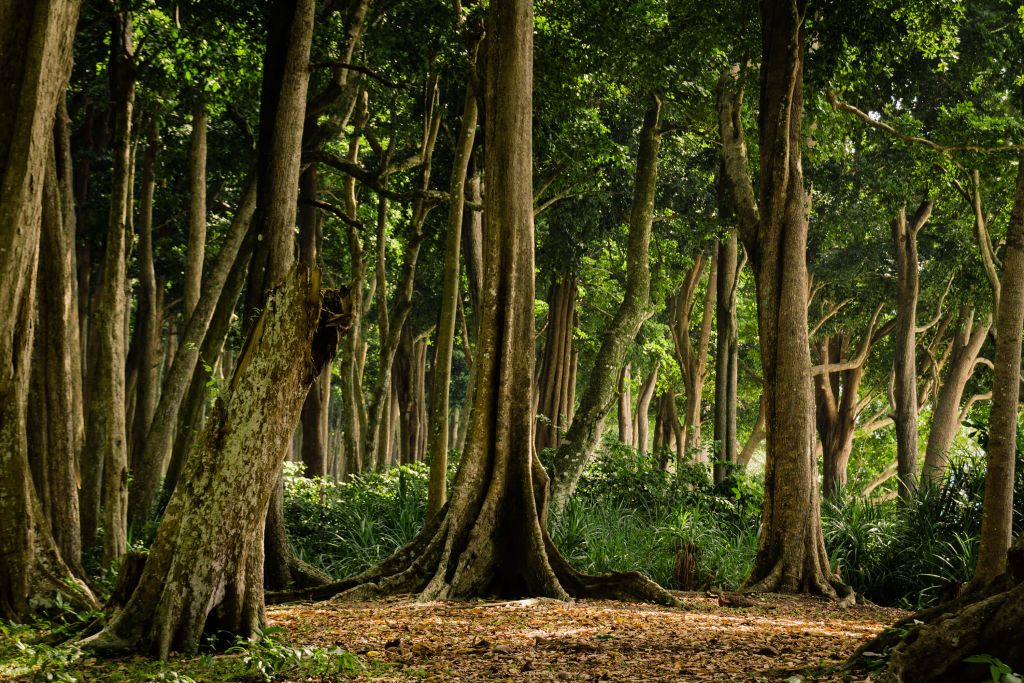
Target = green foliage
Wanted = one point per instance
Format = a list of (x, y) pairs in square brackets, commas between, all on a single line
[(908, 552), (270, 658), (999, 671), (629, 514), (345, 527)]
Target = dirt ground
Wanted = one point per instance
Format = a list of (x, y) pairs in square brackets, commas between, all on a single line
[(775, 638)]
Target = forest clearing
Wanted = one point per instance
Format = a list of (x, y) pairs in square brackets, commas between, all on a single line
[(511, 340)]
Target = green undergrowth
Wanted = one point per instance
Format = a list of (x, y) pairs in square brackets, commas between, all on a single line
[(26, 656), (630, 514)]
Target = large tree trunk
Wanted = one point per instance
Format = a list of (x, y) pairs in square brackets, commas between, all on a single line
[(437, 454), (35, 58), (791, 553), (997, 520), (58, 415), (587, 425), (107, 436), (904, 235), (556, 365), (491, 537), (726, 448), (932, 646), (204, 572), (946, 421)]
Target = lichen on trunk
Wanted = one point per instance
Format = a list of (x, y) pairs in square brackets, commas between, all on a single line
[(205, 577)]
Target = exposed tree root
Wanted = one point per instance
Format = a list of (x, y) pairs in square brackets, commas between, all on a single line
[(932, 644)]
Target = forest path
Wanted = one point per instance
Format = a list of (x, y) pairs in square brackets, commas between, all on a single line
[(536, 640)]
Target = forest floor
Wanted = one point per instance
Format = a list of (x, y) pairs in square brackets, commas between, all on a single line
[(775, 638)]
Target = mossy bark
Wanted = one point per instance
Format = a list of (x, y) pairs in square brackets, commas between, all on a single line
[(204, 572)]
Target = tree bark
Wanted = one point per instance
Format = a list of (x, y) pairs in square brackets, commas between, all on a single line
[(693, 359), (585, 433), (148, 315), (556, 364), (35, 58), (966, 347), (791, 554), (159, 441), (500, 489), (437, 453), (55, 408), (904, 235), (377, 442), (204, 572), (726, 448), (196, 208), (997, 519), (625, 411), (106, 436), (641, 421)]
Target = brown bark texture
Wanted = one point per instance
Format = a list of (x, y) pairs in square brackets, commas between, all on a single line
[(1000, 456), (204, 572), (791, 554), (35, 58), (556, 365), (904, 235)]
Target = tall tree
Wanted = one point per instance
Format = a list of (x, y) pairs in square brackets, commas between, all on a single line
[(500, 490), (791, 554), (35, 57), (904, 237), (107, 435)]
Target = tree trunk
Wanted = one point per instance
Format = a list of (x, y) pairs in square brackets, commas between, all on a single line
[(757, 435), (933, 645), (836, 407), (904, 235), (585, 433), (946, 420), (148, 315), (193, 404), (726, 448), (377, 443), (437, 454), (317, 404), (159, 441), (791, 553), (196, 208), (556, 365), (55, 407), (35, 58), (997, 520), (107, 429), (353, 408), (500, 487), (693, 361), (204, 572), (641, 423), (625, 411)]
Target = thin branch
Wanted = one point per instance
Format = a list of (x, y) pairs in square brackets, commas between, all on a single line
[(878, 124), (938, 308)]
